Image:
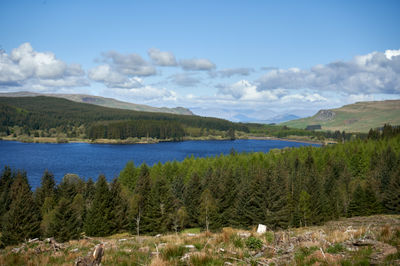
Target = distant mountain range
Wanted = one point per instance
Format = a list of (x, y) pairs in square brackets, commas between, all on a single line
[(357, 117), (102, 101)]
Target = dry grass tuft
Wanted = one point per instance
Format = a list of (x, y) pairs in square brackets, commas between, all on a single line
[(157, 261)]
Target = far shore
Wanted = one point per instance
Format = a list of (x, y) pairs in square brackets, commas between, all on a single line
[(147, 140)]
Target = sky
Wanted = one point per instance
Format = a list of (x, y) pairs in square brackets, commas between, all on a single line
[(238, 60)]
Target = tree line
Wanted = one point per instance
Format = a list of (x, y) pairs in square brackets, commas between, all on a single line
[(287, 188)]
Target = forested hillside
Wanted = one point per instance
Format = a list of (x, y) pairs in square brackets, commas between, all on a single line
[(287, 188), (44, 116), (102, 101)]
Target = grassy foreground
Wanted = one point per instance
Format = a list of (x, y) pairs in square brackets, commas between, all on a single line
[(352, 241)]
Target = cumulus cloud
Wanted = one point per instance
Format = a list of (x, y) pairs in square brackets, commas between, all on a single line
[(113, 79), (229, 72), (162, 58), (129, 64), (185, 79), (197, 64), (372, 73), (26, 67), (245, 90)]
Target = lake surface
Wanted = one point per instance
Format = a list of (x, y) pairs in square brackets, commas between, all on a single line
[(90, 160)]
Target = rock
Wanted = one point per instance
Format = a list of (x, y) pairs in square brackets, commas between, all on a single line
[(222, 250), (261, 229), (16, 250), (185, 257), (190, 246), (259, 254), (158, 235), (191, 234), (244, 235)]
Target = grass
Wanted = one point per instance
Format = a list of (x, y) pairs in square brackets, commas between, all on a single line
[(358, 117), (328, 246), (336, 248), (195, 230)]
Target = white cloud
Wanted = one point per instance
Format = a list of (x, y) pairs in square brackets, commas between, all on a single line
[(197, 64), (113, 79), (244, 90), (31, 69), (129, 64), (372, 73), (185, 79), (162, 58), (146, 94), (229, 72)]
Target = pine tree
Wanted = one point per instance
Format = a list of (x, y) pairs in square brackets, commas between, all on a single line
[(161, 205), (47, 188), (372, 205), (97, 221), (357, 203), (277, 209), (119, 208), (6, 180), (139, 204), (192, 195), (392, 195), (65, 225), (22, 220), (305, 208)]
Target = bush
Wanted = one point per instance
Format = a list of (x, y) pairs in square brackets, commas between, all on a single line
[(254, 243)]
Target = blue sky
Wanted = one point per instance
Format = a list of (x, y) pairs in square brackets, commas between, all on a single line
[(220, 58)]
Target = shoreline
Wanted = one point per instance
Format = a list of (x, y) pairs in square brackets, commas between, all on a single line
[(148, 141)]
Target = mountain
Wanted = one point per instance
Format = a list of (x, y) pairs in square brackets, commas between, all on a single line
[(357, 117), (102, 101), (282, 118)]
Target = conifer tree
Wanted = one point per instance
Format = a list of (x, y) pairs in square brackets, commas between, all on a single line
[(6, 180), (277, 209), (305, 208), (22, 219), (161, 205), (97, 221), (392, 195), (192, 195), (47, 188), (65, 225), (139, 204), (119, 208), (357, 203)]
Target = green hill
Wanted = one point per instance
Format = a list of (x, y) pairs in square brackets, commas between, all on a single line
[(357, 117), (106, 102), (50, 116)]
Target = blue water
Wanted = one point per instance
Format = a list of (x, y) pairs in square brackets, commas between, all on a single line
[(90, 160)]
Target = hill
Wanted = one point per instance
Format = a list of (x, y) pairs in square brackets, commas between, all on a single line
[(357, 117), (58, 117), (102, 101)]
